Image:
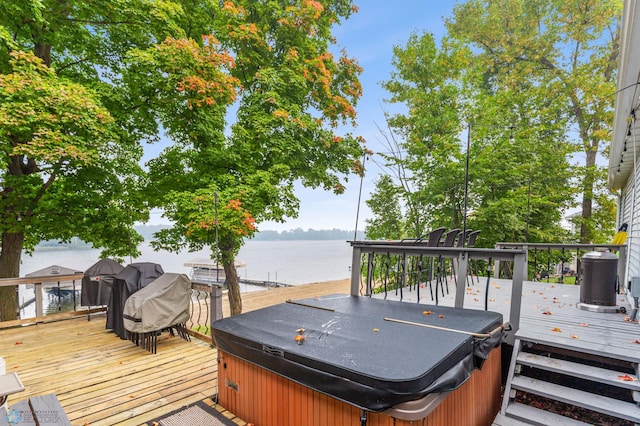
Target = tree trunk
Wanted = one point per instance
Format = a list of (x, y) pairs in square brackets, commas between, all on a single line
[(10, 253), (231, 274), (587, 195)]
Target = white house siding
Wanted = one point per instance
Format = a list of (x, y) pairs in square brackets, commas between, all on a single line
[(633, 233)]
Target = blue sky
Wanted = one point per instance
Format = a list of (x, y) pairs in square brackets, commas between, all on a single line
[(368, 36)]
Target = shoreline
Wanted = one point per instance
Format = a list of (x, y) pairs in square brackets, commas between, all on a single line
[(252, 301)]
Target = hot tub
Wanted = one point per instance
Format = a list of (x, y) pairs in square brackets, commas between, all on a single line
[(375, 356)]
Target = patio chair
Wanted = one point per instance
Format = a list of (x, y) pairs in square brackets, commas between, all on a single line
[(426, 266), (473, 266), (441, 278)]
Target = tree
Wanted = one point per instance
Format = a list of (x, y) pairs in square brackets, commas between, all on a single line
[(567, 48), (71, 125), (387, 222), (292, 94), (425, 158), (519, 178)]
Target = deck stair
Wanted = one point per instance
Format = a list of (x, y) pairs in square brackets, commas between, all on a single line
[(579, 377)]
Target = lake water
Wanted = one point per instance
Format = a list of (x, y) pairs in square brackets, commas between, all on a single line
[(289, 262)]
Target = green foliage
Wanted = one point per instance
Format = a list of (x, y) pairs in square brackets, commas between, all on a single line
[(565, 51), (74, 118), (60, 144), (520, 83), (385, 205), (217, 182)]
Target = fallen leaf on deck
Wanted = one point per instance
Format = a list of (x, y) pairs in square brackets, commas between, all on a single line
[(440, 316), (636, 341), (496, 286), (132, 396), (584, 324), (574, 336), (627, 378), (492, 300), (300, 330), (426, 312), (375, 330), (547, 313), (475, 299), (556, 330), (18, 343)]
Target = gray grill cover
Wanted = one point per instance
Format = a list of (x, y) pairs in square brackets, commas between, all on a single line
[(162, 303)]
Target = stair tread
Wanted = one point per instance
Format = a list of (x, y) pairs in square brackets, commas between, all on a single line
[(535, 416), (503, 420), (530, 334), (602, 404), (598, 374)]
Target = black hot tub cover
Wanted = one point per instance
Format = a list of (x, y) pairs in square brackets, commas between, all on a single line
[(352, 351)]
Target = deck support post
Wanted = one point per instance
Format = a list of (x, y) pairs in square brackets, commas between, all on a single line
[(461, 279), (519, 268), (38, 292), (355, 271)]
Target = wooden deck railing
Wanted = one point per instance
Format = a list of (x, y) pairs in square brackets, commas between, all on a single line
[(38, 283), (545, 256), (205, 307), (410, 267)]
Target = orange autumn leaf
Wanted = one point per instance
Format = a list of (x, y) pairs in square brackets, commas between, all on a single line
[(556, 330), (426, 312), (440, 316), (574, 336), (627, 378), (18, 343)]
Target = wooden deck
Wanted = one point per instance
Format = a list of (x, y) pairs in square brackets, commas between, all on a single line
[(103, 380), (549, 312)]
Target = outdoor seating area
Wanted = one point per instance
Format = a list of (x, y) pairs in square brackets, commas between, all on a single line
[(102, 380)]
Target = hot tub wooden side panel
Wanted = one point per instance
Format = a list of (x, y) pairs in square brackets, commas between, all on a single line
[(267, 399)]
